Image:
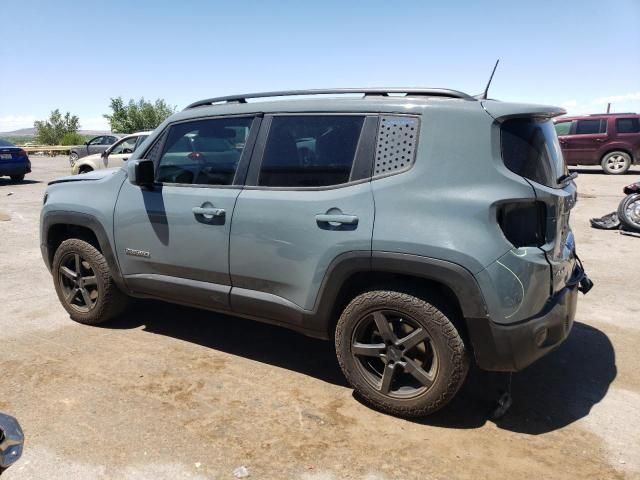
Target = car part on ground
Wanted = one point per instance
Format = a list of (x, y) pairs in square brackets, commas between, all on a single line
[(629, 212), (11, 441), (627, 215), (266, 210)]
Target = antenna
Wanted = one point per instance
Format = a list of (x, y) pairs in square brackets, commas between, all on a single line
[(486, 90)]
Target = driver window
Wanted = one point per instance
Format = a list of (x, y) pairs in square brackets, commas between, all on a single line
[(125, 146), (204, 152), (96, 141)]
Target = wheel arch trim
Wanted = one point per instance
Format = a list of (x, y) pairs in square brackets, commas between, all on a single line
[(84, 220)]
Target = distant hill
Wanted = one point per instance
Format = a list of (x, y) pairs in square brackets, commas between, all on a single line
[(30, 132)]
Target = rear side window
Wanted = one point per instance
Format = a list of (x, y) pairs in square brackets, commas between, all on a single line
[(628, 125), (310, 150), (563, 128), (586, 127), (204, 152), (530, 148)]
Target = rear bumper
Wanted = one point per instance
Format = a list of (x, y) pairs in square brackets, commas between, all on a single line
[(510, 348), (15, 168)]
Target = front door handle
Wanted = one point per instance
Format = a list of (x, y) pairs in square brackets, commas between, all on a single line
[(600, 140), (340, 219), (208, 211)]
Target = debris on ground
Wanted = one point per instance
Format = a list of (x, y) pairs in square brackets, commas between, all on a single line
[(608, 222), (241, 472)]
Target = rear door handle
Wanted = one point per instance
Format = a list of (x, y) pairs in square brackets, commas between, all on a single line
[(208, 211), (339, 218)]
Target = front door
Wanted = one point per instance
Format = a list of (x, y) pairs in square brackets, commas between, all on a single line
[(585, 143), (173, 241), (305, 203), (120, 152)]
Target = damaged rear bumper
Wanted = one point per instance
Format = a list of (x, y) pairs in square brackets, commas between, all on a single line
[(512, 347)]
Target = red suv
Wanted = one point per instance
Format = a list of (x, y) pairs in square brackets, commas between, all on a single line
[(611, 140)]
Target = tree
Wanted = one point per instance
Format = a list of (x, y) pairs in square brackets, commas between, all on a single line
[(52, 131), (137, 116)]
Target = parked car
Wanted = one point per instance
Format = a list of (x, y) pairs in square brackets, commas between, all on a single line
[(114, 156), (368, 221), (93, 146), (14, 161), (611, 140)]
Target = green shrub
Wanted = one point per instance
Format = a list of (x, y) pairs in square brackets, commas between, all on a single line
[(72, 138)]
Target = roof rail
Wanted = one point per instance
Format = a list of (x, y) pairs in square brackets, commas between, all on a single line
[(383, 92)]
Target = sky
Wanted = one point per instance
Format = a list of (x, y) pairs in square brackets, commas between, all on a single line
[(75, 56)]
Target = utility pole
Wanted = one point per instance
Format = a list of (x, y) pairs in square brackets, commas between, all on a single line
[(608, 107)]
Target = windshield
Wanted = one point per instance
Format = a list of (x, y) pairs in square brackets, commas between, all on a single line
[(531, 149)]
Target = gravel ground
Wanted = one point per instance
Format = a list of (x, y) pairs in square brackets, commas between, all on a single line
[(171, 392)]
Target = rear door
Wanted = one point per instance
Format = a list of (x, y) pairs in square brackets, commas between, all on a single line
[(173, 241), (308, 200), (587, 139)]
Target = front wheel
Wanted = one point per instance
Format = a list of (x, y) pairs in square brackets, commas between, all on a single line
[(73, 157), (17, 178), (629, 211), (616, 163), (400, 353), (84, 283)]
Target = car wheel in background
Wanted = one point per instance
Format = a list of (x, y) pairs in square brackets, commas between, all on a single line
[(17, 178), (73, 157), (629, 212), (84, 283), (400, 353), (616, 163)]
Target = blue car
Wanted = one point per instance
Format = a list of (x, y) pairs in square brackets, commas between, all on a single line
[(14, 161)]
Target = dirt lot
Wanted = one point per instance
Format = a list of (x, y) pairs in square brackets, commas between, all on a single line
[(170, 392)]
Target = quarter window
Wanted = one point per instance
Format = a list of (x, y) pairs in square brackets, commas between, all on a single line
[(586, 127), (563, 128), (310, 151), (628, 125), (204, 152)]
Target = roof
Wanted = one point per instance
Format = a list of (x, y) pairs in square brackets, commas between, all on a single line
[(595, 116)]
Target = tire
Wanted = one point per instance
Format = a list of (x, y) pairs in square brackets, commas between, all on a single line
[(407, 391), (93, 297), (17, 178), (616, 163), (73, 157), (629, 212), (85, 169)]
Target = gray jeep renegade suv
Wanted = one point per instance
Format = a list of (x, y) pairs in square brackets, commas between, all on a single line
[(417, 228)]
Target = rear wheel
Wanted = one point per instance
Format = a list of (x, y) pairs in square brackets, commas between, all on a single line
[(616, 163), (17, 178), (400, 353), (84, 283), (629, 211)]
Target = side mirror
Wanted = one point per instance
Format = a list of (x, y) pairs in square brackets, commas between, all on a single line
[(104, 154), (11, 441), (141, 173)]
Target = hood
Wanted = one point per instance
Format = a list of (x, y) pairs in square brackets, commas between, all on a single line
[(84, 177)]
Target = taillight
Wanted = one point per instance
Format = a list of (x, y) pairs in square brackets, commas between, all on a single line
[(523, 223)]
